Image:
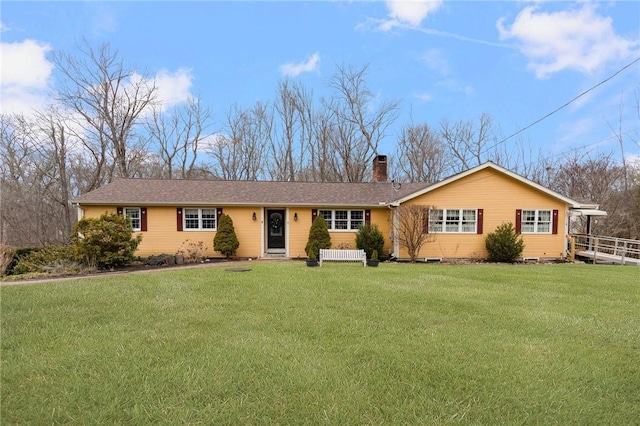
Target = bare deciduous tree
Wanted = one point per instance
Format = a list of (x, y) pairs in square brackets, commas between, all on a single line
[(35, 196), (238, 154), (420, 155), (411, 228), (322, 166), (593, 179), (291, 139), (177, 136), (356, 110), (468, 144), (56, 147), (107, 101)]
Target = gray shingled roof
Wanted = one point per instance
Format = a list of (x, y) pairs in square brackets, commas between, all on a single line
[(213, 192)]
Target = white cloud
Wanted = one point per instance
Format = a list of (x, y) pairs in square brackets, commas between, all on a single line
[(173, 88), (293, 70), (408, 12), (633, 160), (579, 39), (412, 11), (25, 76), (26, 83)]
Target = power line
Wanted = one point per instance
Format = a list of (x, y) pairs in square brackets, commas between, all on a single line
[(563, 106)]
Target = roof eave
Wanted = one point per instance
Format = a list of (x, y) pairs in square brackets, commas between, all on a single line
[(222, 204)]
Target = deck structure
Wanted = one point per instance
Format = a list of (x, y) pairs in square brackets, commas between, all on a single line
[(600, 249)]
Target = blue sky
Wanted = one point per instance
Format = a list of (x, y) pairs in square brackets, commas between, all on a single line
[(517, 61)]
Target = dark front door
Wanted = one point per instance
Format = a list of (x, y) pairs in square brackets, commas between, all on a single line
[(275, 229)]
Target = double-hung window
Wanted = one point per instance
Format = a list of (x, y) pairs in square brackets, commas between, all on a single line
[(134, 216), (199, 219), (453, 221), (536, 221), (343, 220)]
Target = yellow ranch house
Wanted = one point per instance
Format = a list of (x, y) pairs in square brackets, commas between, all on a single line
[(272, 219)]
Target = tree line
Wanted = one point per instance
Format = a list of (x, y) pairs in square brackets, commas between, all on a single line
[(107, 121)]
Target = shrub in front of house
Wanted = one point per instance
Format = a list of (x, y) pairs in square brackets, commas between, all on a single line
[(193, 251), (50, 259), (369, 238), (7, 255), (226, 241), (319, 237), (105, 242), (504, 244)]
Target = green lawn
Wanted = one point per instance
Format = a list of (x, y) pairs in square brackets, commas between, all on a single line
[(339, 345)]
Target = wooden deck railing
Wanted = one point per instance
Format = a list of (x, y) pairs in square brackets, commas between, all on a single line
[(619, 250)]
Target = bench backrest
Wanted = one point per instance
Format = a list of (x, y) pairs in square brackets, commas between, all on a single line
[(339, 254)]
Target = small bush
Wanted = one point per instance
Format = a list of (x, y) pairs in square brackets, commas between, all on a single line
[(17, 255), (374, 255), (226, 241), (344, 246), (370, 239), (6, 258), (51, 259), (319, 237), (504, 244), (312, 255), (105, 242), (193, 251)]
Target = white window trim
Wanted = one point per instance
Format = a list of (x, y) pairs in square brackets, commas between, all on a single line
[(537, 221), (200, 219), (433, 224), (124, 212), (331, 223)]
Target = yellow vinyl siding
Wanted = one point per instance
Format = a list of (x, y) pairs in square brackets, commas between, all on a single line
[(499, 196), (299, 231), (247, 230), (162, 235)]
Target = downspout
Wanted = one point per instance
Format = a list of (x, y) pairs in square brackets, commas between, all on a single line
[(393, 208), (395, 220), (567, 217), (80, 212)]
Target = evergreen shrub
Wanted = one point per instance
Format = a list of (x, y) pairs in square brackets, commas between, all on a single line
[(58, 258), (319, 237), (105, 242), (369, 238), (226, 241), (504, 244)]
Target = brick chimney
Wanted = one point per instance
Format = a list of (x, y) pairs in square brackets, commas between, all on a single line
[(380, 168)]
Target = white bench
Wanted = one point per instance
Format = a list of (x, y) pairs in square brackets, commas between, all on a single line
[(343, 255)]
